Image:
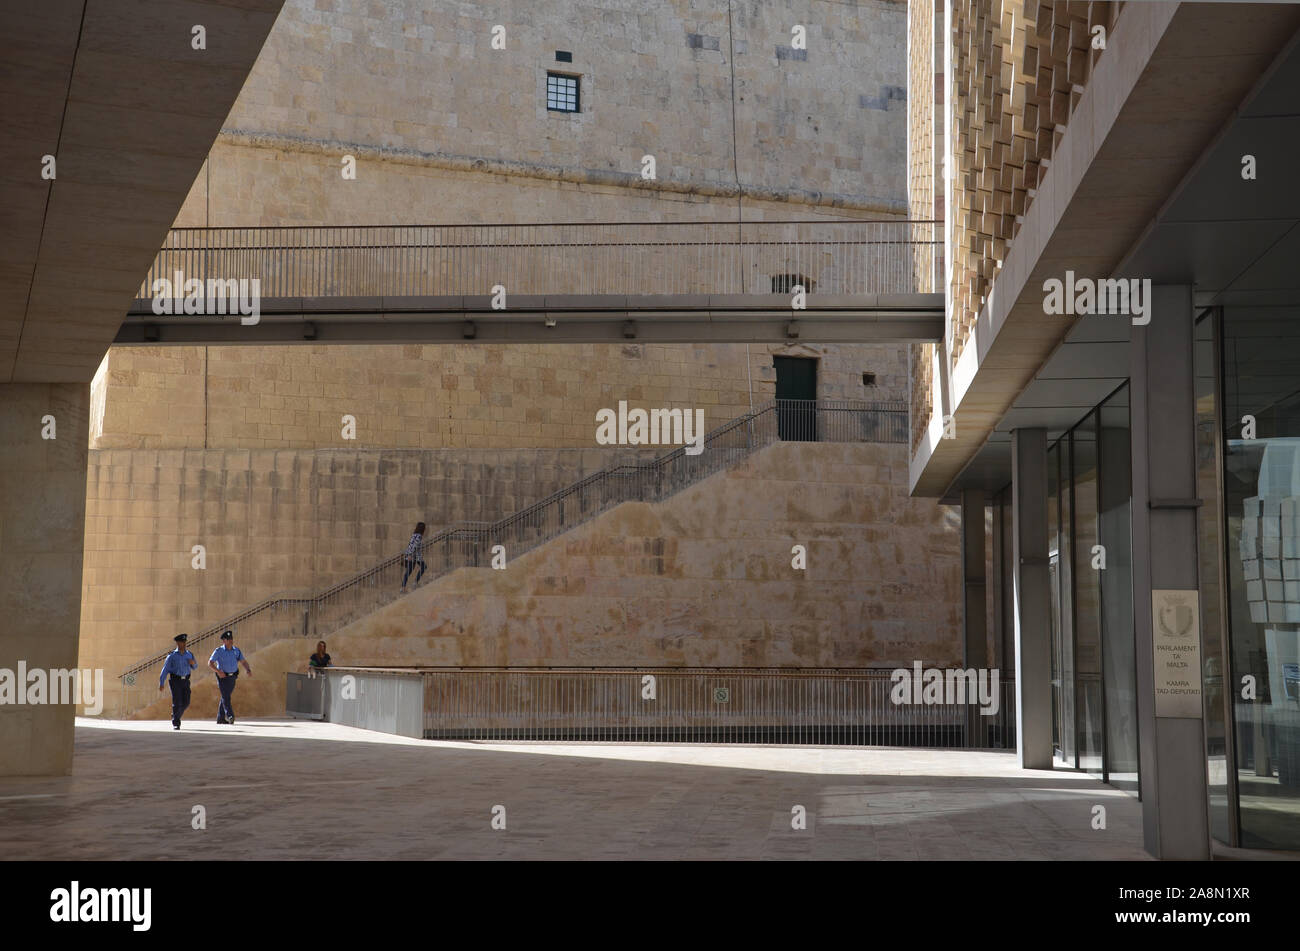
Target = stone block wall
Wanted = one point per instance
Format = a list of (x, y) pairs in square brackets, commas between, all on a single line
[(273, 522), (714, 89), (242, 449), (705, 579), (446, 129), (702, 579), (473, 396), (1017, 74), (1017, 69)]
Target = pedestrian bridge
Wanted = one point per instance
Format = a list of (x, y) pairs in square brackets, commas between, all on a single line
[(677, 282)]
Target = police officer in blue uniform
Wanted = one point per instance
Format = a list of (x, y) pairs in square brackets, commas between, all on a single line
[(225, 661), (176, 668)]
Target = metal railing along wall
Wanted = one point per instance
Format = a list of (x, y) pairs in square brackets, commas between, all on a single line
[(469, 544), (761, 257), (673, 705)]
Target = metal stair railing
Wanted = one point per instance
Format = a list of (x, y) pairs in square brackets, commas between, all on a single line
[(471, 544)]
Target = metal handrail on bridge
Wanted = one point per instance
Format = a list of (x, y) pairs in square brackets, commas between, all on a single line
[(827, 256), (470, 544)]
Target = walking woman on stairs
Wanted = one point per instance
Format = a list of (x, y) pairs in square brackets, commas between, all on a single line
[(412, 557)]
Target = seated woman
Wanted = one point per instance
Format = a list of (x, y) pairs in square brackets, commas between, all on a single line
[(320, 658)]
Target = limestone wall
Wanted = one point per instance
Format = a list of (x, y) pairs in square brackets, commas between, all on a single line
[(702, 579), (712, 88), (447, 130), (273, 522), (705, 579), (1016, 77), (241, 448), (481, 396)]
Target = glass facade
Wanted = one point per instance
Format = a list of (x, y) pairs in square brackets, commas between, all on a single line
[(1062, 645), (1251, 578), (1089, 565), (1248, 483), (1247, 406), (1094, 682), (1210, 547), (1115, 534)]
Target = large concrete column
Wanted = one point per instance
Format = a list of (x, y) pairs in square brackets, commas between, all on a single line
[(1166, 589), (1031, 585), (42, 531)]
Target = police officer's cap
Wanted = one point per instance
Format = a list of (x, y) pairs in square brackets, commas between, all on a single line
[(227, 636), (181, 638)]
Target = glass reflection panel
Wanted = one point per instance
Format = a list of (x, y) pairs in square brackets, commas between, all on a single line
[(1261, 499), (1088, 568), (1115, 534), (1209, 524)]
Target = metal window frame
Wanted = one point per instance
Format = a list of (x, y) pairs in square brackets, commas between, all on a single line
[(1066, 440), (576, 79)]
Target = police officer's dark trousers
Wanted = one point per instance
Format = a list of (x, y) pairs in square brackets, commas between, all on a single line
[(180, 696), (226, 685)]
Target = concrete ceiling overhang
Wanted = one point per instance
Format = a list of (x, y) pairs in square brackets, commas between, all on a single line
[(1235, 240), (1142, 130), (115, 91)]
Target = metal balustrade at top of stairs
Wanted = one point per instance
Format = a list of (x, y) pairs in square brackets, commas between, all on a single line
[(471, 544)]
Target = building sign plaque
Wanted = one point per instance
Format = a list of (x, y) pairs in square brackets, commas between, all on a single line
[(1176, 645)]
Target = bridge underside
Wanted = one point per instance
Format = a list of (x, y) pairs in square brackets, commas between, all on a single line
[(679, 318)]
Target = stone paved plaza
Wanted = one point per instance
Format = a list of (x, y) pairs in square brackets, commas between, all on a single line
[(292, 789)]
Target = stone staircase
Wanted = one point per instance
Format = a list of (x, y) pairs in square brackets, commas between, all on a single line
[(476, 544)]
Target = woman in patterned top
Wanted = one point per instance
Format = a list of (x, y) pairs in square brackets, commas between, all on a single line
[(411, 557)]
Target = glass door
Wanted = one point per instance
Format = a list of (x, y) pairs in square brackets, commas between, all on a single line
[(1089, 566), (1059, 728)]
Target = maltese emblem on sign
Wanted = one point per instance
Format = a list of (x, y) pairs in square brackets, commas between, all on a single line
[(1176, 650)]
